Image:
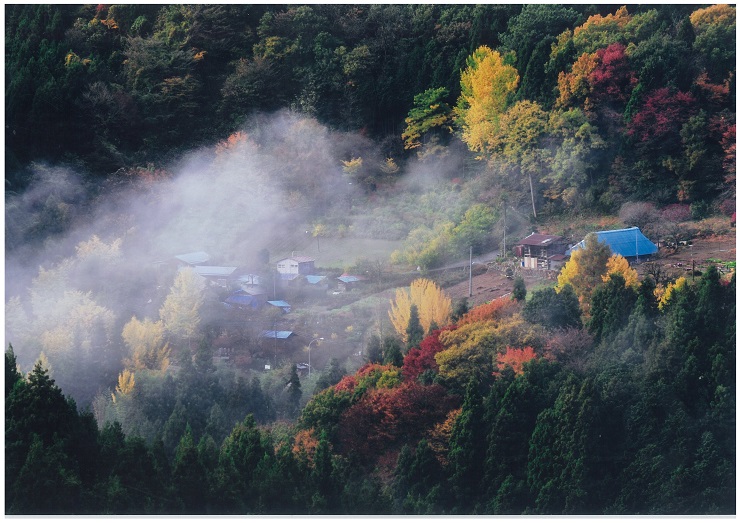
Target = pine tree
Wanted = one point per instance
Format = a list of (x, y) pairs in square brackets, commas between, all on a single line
[(414, 332)]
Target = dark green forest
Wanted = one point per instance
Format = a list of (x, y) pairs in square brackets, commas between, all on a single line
[(606, 394), (632, 414)]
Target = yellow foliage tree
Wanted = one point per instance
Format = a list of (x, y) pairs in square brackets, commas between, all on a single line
[(433, 304), (95, 248), (573, 86), (180, 312), (486, 88), (473, 349), (584, 269), (126, 382), (664, 294), (618, 264), (146, 344)]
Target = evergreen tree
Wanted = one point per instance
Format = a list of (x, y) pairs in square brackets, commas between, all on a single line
[(392, 354), (414, 331), (519, 293), (188, 475), (374, 350), (294, 392), (467, 450)]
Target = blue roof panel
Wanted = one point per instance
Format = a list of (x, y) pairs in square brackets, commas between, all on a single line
[(280, 335), (626, 242), (279, 303)]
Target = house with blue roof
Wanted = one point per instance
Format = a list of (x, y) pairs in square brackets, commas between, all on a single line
[(280, 304), (630, 243)]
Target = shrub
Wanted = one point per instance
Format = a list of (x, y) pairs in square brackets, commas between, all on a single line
[(641, 214), (727, 207), (699, 210), (677, 212)]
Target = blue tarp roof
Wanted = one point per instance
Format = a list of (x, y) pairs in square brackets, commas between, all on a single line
[(626, 242), (242, 299), (350, 279), (312, 279), (280, 335), (279, 303)]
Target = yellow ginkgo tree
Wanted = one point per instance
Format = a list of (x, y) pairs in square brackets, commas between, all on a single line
[(433, 305)]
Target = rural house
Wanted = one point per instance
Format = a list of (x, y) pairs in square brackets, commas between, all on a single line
[(630, 243), (296, 265), (347, 282), (541, 251)]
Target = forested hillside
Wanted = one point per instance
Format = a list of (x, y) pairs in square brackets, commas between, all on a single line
[(389, 142)]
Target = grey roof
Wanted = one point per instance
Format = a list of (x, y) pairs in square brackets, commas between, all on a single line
[(194, 258), (539, 239), (626, 242), (214, 271), (299, 259)]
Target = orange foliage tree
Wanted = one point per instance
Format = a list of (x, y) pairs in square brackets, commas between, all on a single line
[(494, 310), (514, 358)]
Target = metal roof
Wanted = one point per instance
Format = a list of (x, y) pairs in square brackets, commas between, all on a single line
[(280, 335), (213, 271), (313, 279), (348, 278), (626, 242), (539, 239), (299, 259), (279, 303), (194, 258), (241, 299)]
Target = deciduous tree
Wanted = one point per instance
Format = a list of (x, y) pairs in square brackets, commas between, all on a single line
[(584, 269), (180, 312), (487, 85), (432, 302)]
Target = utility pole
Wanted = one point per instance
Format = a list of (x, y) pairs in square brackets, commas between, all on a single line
[(470, 284), (503, 253)]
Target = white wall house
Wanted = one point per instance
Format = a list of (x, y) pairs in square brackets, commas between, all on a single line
[(296, 265)]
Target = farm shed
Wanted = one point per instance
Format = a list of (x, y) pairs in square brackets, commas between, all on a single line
[(284, 305), (630, 243), (541, 251), (347, 282)]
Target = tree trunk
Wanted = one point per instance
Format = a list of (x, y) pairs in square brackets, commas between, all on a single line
[(531, 191)]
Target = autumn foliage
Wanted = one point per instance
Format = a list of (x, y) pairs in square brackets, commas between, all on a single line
[(389, 417), (514, 358), (421, 358), (493, 310), (433, 305)]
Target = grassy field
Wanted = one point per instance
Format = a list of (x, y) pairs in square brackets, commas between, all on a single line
[(339, 253)]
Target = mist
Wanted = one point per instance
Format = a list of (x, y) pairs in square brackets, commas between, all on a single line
[(84, 256)]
